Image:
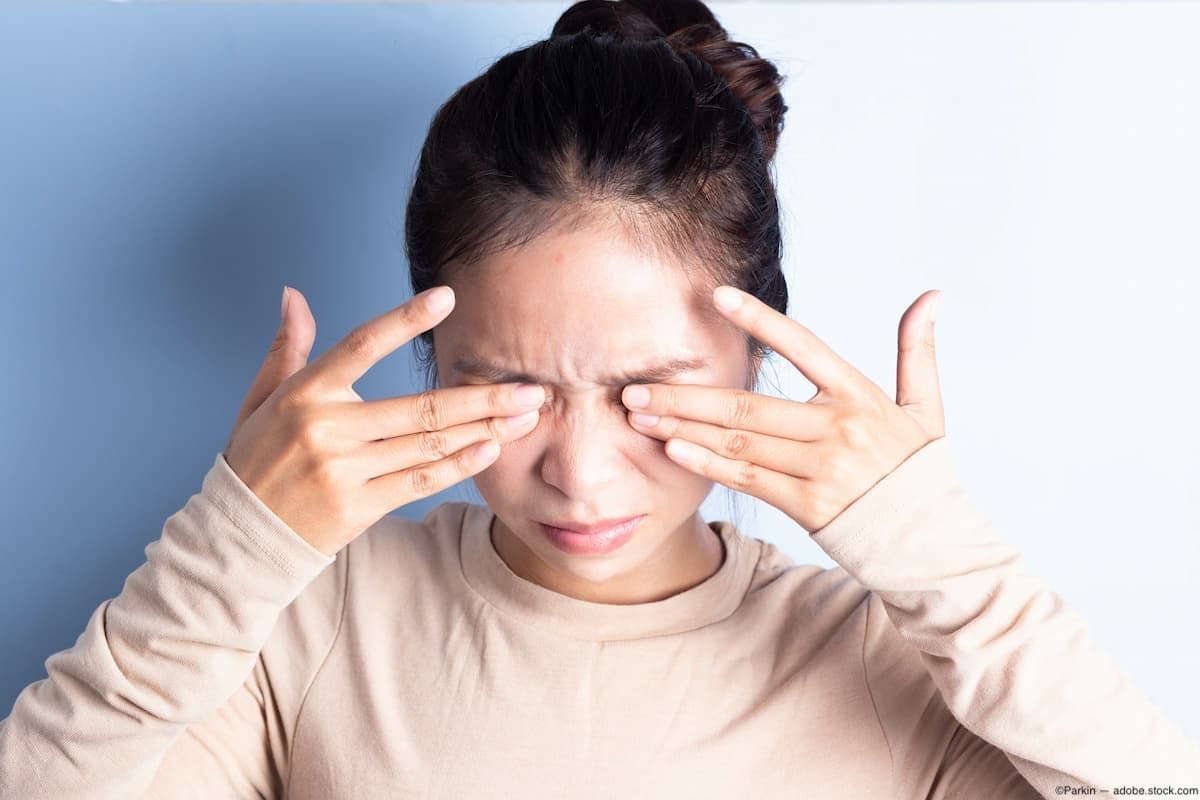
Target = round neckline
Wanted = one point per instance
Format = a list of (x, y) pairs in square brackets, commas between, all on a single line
[(709, 601)]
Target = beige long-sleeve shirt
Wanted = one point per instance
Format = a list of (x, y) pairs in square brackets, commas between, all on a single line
[(238, 661)]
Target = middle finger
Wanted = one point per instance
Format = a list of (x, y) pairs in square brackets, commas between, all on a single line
[(785, 456), (734, 408), (436, 409), (385, 456)]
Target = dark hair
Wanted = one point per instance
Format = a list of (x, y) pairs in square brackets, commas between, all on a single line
[(641, 112)]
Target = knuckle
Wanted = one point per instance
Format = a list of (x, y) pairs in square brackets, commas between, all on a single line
[(497, 428), (327, 473), (855, 432), (499, 397), (361, 343), (739, 409), (309, 428), (746, 476), (426, 412), (735, 443), (432, 445), (666, 400), (420, 480)]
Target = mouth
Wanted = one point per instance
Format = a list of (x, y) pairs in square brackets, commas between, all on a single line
[(589, 528), (596, 542)]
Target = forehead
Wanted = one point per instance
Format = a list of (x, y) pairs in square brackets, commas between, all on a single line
[(580, 307)]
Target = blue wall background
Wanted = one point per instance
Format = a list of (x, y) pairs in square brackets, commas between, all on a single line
[(164, 170)]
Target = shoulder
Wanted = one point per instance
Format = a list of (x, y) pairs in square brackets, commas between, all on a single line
[(396, 566), (825, 597), (393, 552), (415, 548), (407, 571), (825, 609), (805, 592)]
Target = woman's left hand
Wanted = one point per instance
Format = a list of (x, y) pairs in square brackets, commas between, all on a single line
[(810, 460)]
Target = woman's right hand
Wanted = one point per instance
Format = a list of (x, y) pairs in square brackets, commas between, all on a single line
[(330, 464)]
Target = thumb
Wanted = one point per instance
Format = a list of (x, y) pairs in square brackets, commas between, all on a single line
[(287, 355), (293, 342), (918, 390)]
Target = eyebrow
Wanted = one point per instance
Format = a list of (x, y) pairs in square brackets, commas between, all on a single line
[(660, 370)]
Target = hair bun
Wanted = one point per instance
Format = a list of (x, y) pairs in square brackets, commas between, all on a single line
[(689, 26)]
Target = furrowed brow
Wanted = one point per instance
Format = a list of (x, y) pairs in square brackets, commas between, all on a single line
[(658, 371)]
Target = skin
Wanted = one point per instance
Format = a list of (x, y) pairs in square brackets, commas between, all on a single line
[(605, 307), (329, 463), (813, 459)]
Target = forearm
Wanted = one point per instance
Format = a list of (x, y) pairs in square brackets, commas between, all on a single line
[(1013, 663), (177, 642)]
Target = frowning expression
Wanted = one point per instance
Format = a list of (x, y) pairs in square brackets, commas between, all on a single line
[(583, 314)]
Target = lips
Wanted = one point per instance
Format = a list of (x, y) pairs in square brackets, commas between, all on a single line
[(595, 527), (597, 543)]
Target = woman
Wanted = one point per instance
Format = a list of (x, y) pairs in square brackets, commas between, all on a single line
[(581, 209)]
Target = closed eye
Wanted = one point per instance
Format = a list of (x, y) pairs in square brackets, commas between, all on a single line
[(616, 400)]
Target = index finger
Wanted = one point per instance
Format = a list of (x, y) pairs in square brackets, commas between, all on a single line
[(369, 343), (435, 409), (828, 371)]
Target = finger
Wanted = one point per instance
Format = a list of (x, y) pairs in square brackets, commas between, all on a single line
[(394, 490), (287, 354), (734, 408), (775, 488), (427, 447), (918, 388), (828, 371), (436, 409), (785, 456), (369, 343)]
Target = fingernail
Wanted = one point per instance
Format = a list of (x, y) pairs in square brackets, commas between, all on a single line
[(933, 312), (682, 451), (529, 395), (636, 396), (485, 452), (283, 304), (728, 298), (439, 299)]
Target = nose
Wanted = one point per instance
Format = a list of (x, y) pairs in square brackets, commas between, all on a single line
[(585, 451)]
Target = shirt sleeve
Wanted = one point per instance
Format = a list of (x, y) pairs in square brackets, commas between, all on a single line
[(1011, 662), (934, 756), (973, 769), (178, 643), (228, 754)]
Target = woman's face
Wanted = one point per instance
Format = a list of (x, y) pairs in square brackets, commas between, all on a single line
[(570, 312)]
